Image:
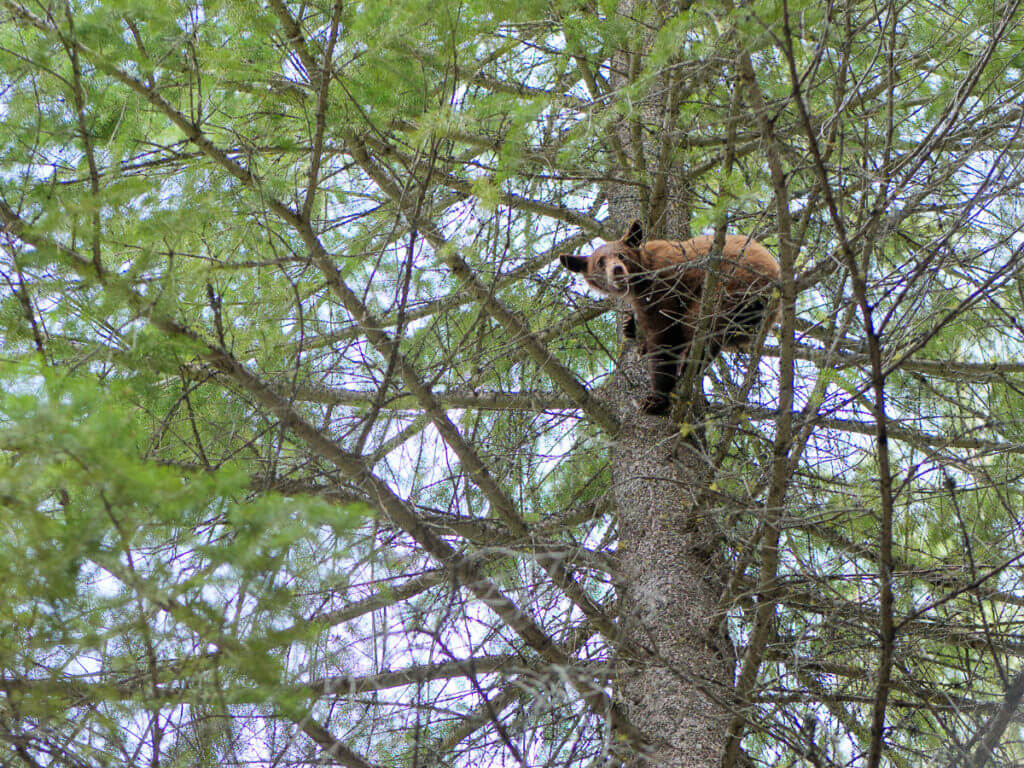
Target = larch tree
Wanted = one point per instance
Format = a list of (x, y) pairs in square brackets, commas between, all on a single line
[(312, 453)]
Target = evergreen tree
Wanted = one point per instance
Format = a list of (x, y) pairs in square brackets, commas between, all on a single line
[(312, 453)]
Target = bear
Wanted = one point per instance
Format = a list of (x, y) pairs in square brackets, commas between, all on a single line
[(663, 282)]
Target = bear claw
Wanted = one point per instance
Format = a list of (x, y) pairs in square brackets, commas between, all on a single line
[(655, 405)]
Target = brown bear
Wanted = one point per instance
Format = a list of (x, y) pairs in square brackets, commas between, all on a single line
[(663, 282)]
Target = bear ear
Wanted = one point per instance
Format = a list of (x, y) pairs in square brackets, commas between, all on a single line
[(634, 234), (573, 263)]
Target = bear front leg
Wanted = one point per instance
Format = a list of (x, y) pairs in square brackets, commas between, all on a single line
[(664, 367), (629, 328), (629, 334)]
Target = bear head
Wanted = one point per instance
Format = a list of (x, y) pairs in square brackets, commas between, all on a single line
[(608, 269)]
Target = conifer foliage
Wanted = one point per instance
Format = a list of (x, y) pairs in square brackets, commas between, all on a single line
[(311, 453)]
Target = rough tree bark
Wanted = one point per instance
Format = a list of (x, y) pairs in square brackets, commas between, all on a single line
[(669, 584)]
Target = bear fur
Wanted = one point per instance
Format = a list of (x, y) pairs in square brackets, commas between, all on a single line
[(663, 282)]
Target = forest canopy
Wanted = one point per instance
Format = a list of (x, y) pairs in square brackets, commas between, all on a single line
[(311, 452)]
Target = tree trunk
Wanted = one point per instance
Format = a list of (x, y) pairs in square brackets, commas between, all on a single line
[(669, 565), (669, 584)]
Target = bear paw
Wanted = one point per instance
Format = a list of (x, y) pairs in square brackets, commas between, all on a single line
[(656, 404)]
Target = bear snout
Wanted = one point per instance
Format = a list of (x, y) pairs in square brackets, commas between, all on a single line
[(618, 278)]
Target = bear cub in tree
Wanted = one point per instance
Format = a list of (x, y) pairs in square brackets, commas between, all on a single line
[(663, 282)]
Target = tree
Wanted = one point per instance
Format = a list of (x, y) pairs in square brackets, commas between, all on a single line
[(312, 453)]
